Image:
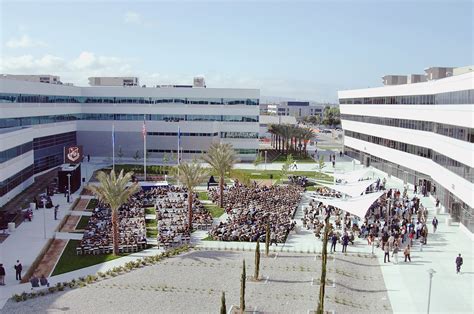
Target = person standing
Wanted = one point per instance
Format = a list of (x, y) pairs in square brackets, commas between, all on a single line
[(88, 157), (345, 242), (407, 252), (435, 224), (458, 263), (2, 275), (18, 270), (395, 253), (56, 209), (333, 243), (387, 253)]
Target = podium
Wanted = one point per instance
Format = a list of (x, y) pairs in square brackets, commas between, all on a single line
[(75, 171)]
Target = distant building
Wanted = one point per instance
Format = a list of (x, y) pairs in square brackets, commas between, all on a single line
[(113, 81), (49, 79), (297, 109)]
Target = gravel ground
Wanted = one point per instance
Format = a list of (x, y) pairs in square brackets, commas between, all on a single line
[(193, 282)]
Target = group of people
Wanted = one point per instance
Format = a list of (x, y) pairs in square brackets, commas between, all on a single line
[(251, 209), (98, 238), (172, 216)]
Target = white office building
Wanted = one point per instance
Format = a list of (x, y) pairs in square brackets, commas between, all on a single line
[(38, 120), (421, 133), (297, 109)]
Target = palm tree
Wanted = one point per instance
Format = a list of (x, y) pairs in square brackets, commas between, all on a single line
[(191, 174), (221, 157), (113, 191)]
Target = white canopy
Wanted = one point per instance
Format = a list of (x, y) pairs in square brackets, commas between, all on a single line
[(353, 189), (353, 176), (357, 206)]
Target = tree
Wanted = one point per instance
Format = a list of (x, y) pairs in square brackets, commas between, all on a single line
[(242, 288), (120, 153), (113, 191), (137, 155), (257, 260), (221, 157), (286, 166), (324, 260), (190, 175), (331, 116), (166, 158), (321, 163), (267, 238), (223, 306), (258, 160)]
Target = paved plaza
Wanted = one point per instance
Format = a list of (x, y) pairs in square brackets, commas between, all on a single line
[(361, 281)]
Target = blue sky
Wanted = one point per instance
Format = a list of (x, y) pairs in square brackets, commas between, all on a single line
[(296, 49)]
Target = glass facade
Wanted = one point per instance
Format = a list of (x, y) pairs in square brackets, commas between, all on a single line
[(15, 180), (453, 131), (459, 210), (15, 151), (29, 98), (450, 98), (183, 134), (175, 151), (49, 150), (26, 121), (452, 165), (239, 135)]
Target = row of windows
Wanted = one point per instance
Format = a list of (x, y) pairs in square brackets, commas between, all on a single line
[(57, 139), (457, 132), (49, 150), (239, 134), (28, 98), (240, 151), (15, 180), (15, 151), (25, 121), (448, 163), (457, 97), (184, 134)]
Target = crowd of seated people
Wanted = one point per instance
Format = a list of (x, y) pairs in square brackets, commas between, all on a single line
[(97, 238), (327, 192), (249, 210), (172, 216), (299, 180)]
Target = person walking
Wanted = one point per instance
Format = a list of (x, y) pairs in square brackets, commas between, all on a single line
[(56, 209), (407, 252), (395, 253), (459, 262), (435, 224), (333, 243), (2, 275), (18, 269), (387, 253)]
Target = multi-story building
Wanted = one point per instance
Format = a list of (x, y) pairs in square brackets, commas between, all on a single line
[(38, 120), (297, 109), (421, 133)]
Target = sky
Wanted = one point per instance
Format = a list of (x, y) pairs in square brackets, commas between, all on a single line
[(304, 50)]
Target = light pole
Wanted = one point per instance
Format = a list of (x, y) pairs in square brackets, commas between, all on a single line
[(431, 272), (265, 160), (68, 187), (44, 220)]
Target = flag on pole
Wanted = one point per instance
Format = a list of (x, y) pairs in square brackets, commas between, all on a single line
[(179, 145), (113, 146), (144, 146)]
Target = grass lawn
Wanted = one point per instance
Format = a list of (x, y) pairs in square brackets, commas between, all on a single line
[(150, 211), (82, 224), (203, 196), (282, 158), (265, 174), (151, 232), (208, 238), (92, 204), (69, 261), (150, 223), (215, 210)]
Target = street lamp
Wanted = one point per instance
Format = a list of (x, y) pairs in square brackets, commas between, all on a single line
[(431, 272), (68, 187)]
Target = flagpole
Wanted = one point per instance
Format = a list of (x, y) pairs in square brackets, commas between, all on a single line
[(113, 147), (144, 147)]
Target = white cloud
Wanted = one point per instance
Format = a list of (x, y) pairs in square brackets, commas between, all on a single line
[(24, 41), (132, 18)]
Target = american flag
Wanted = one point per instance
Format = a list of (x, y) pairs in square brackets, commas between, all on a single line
[(144, 128)]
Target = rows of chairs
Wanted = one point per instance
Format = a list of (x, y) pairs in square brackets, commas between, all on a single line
[(109, 249)]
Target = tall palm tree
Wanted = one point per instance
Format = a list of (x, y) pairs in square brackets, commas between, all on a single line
[(221, 157), (113, 191), (190, 175)]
